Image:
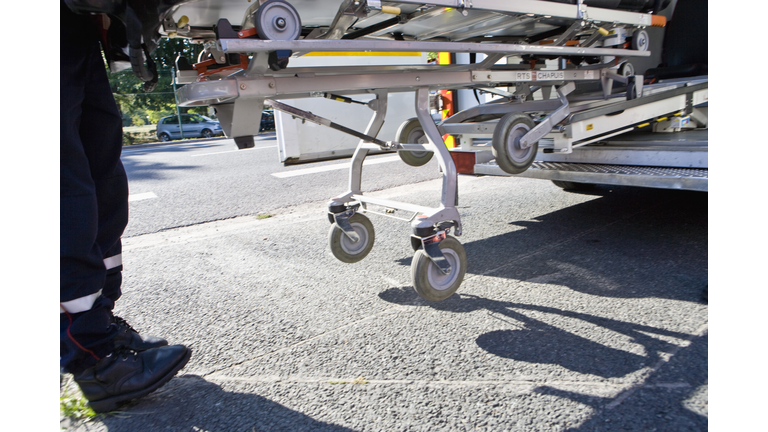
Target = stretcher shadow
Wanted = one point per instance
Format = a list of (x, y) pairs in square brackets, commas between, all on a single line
[(535, 341), (539, 342), (626, 243), (674, 399), (190, 403)]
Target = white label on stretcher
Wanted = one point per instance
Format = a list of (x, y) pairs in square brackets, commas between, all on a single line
[(550, 75), (590, 74), (522, 76)]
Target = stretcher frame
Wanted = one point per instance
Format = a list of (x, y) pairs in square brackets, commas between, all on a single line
[(238, 96)]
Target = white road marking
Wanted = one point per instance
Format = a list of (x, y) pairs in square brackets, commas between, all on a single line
[(141, 196), (232, 151), (333, 167)]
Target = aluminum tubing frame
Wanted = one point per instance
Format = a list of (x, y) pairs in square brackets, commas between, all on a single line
[(430, 217), (356, 167), (552, 119), (447, 211)]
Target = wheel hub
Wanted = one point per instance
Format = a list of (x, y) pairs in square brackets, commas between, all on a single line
[(354, 247), (515, 150), (437, 279), (418, 137)]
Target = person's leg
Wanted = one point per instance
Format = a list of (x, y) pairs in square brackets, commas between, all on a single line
[(94, 203), (101, 135), (85, 314), (112, 365)]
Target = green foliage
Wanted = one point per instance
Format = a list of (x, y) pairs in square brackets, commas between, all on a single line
[(138, 107), (155, 116), (73, 404)]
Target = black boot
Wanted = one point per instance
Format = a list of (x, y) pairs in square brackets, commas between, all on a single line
[(130, 338), (126, 375)]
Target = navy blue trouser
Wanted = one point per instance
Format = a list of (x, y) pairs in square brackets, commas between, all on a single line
[(94, 197)]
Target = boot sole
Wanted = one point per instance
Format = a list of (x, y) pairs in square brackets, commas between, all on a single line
[(111, 404)]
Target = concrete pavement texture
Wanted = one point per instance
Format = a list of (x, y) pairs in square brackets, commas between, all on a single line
[(578, 312)]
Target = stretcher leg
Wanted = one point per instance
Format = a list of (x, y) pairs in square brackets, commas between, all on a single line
[(439, 262), (351, 234)]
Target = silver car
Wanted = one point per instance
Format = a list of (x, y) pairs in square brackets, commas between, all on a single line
[(194, 125)]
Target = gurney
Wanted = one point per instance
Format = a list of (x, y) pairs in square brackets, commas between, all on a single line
[(247, 65)]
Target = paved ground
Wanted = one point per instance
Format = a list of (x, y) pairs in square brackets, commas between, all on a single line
[(193, 183), (578, 312)]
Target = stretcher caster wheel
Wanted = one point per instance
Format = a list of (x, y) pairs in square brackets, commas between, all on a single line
[(277, 20), (430, 283), (640, 41), (411, 132), (506, 143), (631, 90), (345, 249), (626, 69)]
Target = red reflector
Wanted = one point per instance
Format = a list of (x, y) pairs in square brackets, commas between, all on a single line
[(464, 161)]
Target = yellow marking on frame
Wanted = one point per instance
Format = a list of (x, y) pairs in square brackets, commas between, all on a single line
[(590, 126), (361, 54), (661, 119), (643, 125), (450, 141)]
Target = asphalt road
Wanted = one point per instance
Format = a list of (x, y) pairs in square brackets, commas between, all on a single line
[(190, 183), (578, 312)]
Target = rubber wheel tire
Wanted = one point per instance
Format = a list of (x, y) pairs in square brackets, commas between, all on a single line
[(572, 185), (410, 132), (626, 69), (164, 137), (640, 41), (265, 21), (506, 137), (206, 133), (429, 282), (631, 90), (344, 249)]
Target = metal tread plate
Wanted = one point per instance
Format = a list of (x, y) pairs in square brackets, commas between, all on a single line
[(625, 175)]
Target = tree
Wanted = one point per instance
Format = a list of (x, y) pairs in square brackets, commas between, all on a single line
[(135, 104)]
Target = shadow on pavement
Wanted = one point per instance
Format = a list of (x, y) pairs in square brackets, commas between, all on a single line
[(153, 171), (173, 147), (138, 169), (538, 342), (672, 400), (626, 243), (190, 403)]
